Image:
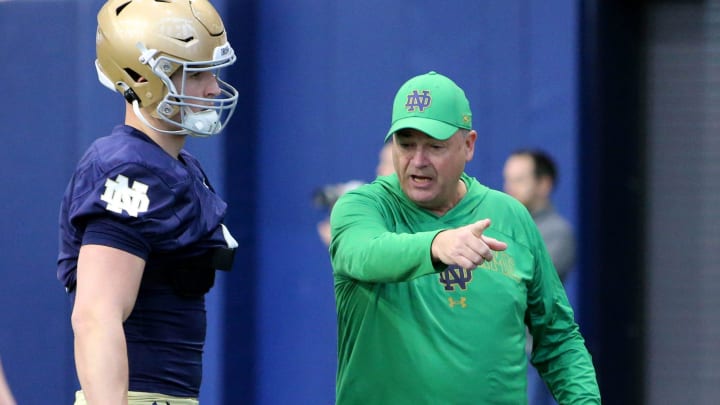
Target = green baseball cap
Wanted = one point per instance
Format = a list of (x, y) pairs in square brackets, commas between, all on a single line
[(433, 104)]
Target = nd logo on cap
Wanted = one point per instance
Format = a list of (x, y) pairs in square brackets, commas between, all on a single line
[(419, 101), (433, 104)]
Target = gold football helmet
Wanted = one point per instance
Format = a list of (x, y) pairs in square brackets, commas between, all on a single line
[(141, 43)]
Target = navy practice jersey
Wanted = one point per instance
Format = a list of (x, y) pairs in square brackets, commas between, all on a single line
[(129, 194)]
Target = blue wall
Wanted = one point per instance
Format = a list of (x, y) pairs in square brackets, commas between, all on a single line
[(38, 115), (317, 80)]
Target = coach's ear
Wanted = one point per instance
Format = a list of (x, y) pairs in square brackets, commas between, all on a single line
[(469, 140)]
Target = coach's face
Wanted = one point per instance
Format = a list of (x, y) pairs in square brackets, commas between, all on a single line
[(429, 169)]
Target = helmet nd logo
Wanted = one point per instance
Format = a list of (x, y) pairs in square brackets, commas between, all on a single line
[(419, 101)]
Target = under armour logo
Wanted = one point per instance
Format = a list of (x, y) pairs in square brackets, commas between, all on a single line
[(462, 302), (455, 276), (419, 101), (119, 196)]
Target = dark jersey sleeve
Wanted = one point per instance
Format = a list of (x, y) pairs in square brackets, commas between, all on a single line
[(129, 194)]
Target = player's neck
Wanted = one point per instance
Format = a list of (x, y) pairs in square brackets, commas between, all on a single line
[(172, 144)]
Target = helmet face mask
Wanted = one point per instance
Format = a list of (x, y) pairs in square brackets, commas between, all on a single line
[(198, 115), (141, 44)]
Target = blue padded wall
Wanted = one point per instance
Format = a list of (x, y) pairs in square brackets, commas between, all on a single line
[(38, 113)]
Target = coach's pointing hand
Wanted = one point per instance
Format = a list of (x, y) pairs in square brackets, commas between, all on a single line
[(466, 246)]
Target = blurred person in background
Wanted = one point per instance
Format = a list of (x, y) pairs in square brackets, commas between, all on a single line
[(385, 161), (323, 200), (530, 175)]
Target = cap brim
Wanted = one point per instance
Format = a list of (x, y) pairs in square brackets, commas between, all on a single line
[(434, 128)]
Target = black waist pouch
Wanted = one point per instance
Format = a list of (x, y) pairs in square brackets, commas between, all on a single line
[(196, 275)]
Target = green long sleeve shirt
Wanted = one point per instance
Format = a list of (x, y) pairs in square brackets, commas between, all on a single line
[(414, 332)]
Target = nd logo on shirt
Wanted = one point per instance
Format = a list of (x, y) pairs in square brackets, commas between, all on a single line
[(119, 196), (456, 278)]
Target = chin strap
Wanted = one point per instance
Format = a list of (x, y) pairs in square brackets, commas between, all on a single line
[(141, 116), (201, 124)]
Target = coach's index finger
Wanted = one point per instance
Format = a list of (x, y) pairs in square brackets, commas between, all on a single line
[(479, 227)]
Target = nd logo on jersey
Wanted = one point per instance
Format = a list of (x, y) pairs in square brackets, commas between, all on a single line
[(119, 196)]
